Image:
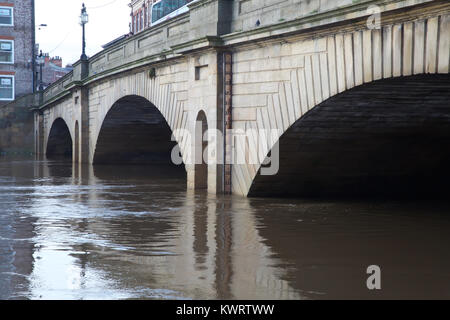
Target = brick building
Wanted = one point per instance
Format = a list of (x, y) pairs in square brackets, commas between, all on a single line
[(17, 49), (145, 13), (52, 70)]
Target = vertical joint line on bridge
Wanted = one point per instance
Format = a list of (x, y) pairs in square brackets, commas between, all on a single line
[(228, 125)]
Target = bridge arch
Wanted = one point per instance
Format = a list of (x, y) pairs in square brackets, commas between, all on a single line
[(315, 70), (385, 138), (134, 131), (59, 142)]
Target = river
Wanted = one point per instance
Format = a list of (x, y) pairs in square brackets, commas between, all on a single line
[(137, 233)]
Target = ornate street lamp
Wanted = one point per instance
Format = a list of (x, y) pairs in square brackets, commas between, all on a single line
[(84, 18), (41, 61)]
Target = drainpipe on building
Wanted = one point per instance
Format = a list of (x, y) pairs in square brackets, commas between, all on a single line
[(227, 120)]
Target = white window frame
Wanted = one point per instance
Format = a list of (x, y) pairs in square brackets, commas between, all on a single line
[(13, 87), (12, 17), (12, 51)]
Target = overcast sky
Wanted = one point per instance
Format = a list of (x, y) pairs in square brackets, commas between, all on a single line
[(108, 19)]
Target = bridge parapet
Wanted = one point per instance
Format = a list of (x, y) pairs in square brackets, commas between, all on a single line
[(57, 88)]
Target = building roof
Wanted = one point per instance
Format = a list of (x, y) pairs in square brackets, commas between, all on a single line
[(58, 68)]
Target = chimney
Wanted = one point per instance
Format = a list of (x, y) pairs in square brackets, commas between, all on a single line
[(57, 61)]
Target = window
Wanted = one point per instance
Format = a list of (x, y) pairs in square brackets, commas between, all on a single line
[(149, 13), (6, 16), (6, 87), (157, 12), (6, 51)]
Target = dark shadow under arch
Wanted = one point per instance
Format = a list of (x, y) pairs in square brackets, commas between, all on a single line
[(386, 138), (134, 132), (59, 144)]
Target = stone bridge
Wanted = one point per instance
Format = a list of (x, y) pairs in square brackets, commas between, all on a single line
[(349, 95)]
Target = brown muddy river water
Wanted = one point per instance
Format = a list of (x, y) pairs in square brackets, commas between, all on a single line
[(128, 233)]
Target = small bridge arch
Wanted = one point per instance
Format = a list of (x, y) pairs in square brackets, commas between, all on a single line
[(59, 142)]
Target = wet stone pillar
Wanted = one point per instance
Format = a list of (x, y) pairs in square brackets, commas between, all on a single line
[(39, 131), (84, 126)]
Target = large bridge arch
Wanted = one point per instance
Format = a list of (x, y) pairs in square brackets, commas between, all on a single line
[(385, 138), (311, 70)]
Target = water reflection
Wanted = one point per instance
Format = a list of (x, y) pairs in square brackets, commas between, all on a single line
[(129, 233)]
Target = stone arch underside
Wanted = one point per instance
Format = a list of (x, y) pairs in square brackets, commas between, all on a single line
[(135, 132), (386, 138), (59, 142)]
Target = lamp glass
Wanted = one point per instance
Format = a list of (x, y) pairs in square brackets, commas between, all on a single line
[(84, 18)]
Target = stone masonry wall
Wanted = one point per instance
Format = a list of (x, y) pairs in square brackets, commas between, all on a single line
[(22, 32), (16, 128)]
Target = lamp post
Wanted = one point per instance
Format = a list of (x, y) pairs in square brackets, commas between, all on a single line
[(84, 18), (35, 50), (41, 62)]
